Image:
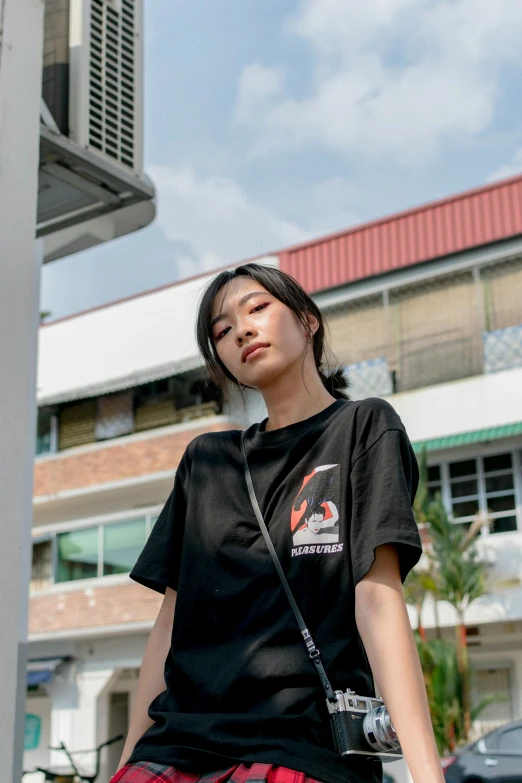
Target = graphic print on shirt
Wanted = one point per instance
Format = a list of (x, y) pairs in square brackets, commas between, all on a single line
[(314, 519)]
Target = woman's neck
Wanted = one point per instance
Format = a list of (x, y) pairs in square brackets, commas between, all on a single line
[(288, 401)]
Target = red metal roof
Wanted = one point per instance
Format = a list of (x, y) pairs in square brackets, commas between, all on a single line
[(441, 228)]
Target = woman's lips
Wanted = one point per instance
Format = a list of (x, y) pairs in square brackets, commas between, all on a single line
[(256, 351)]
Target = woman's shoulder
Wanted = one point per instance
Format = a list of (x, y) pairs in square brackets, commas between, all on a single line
[(372, 417), (379, 411), (212, 442)]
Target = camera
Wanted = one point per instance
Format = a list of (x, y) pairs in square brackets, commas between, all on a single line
[(361, 725)]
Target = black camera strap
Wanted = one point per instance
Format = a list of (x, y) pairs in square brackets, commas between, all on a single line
[(313, 652)]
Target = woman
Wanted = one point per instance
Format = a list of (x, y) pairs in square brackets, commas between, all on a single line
[(227, 691)]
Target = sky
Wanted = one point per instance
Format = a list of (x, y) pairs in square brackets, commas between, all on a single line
[(268, 122)]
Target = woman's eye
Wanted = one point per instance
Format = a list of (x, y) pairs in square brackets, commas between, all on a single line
[(259, 307), (222, 334)]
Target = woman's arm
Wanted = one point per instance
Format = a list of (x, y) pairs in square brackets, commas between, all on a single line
[(384, 626), (151, 682)]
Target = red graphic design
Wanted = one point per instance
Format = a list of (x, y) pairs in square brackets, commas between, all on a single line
[(315, 516)]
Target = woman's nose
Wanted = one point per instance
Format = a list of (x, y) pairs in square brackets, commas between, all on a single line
[(243, 334)]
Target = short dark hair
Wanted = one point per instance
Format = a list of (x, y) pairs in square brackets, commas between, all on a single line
[(285, 288)]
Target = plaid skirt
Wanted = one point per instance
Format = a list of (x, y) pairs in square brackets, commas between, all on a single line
[(148, 772)]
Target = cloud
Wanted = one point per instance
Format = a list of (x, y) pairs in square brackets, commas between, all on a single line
[(256, 84), (215, 218), (331, 202), (218, 223), (510, 169), (390, 76)]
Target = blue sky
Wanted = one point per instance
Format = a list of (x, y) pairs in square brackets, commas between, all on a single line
[(271, 121)]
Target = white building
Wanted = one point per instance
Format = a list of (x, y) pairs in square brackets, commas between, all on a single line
[(430, 320)]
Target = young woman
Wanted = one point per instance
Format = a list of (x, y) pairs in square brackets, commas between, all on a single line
[(227, 690)]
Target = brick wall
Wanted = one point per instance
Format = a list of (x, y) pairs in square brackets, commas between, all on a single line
[(116, 461), (92, 607)]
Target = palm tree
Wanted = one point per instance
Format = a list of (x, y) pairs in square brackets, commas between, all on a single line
[(443, 687), (422, 581), (460, 579), (455, 573)]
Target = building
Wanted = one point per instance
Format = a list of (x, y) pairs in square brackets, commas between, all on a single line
[(425, 310)]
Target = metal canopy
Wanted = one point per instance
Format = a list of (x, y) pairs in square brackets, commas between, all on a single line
[(76, 185), (40, 671), (466, 438)]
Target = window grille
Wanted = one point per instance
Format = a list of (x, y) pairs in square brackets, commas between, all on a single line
[(503, 349), (442, 329), (369, 379)]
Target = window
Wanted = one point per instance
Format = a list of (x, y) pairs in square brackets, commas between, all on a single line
[(77, 555), (42, 565), (122, 544), (434, 480), (500, 491), (496, 684), (484, 485), (103, 549), (464, 490), (46, 432), (511, 740), (155, 390)]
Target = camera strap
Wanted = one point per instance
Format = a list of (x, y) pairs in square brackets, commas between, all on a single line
[(313, 652)]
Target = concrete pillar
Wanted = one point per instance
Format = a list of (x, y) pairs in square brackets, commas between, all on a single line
[(65, 700), (21, 33), (80, 714)]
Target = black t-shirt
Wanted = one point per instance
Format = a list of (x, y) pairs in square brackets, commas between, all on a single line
[(239, 683)]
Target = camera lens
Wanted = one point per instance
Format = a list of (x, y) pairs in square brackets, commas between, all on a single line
[(379, 731)]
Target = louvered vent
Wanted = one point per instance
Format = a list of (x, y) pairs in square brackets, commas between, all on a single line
[(112, 77)]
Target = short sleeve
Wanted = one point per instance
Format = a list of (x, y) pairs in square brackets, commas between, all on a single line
[(159, 562), (384, 481)]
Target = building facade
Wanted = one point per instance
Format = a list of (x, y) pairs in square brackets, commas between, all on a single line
[(424, 310)]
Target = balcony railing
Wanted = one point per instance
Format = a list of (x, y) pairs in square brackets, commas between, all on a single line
[(437, 331)]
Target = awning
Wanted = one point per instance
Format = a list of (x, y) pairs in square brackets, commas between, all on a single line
[(40, 671), (125, 382), (467, 438)]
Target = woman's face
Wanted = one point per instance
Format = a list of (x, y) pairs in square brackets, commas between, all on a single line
[(244, 314)]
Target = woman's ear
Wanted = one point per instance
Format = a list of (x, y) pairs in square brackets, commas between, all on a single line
[(313, 324)]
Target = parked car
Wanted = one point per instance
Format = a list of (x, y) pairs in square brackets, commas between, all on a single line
[(495, 758)]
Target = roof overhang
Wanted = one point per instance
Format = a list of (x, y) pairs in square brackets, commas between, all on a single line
[(76, 186), (146, 375)]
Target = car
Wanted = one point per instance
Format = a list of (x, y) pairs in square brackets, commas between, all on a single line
[(495, 758)]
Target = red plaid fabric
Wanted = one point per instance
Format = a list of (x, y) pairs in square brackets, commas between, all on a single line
[(148, 772)]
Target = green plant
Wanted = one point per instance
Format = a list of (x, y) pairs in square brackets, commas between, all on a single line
[(455, 573), (444, 683), (443, 686), (460, 579)]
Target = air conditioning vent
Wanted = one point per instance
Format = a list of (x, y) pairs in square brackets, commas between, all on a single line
[(106, 88), (112, 80)]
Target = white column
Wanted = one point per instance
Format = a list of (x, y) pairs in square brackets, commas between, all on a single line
[(80, 713), (21, 34)]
